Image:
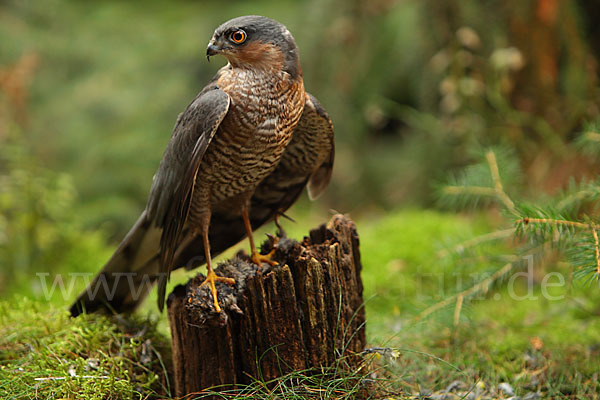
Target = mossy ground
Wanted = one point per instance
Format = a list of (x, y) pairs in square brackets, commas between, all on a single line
[(46, 354), (545, 340)]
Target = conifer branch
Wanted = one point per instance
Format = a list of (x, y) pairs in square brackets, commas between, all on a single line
[(482, 286), (551, 221), (568, 224), (459, 248), (596, 250), (458, 309), (592, 136), (575, 197), (481, 180), (490, 156), (470, 190)]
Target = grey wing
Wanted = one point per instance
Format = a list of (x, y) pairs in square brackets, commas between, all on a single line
[(192, 133), (172, 187), (320, 128), (307, 160)]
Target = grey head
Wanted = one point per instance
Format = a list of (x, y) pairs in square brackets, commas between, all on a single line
[(253, 41)]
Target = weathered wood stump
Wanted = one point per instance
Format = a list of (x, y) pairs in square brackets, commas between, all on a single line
[(300, 315)]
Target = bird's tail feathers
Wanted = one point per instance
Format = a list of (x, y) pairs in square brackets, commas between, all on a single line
[(128, 276)]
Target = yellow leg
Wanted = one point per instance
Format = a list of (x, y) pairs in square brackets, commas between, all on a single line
[(256, 257), (211, 277)]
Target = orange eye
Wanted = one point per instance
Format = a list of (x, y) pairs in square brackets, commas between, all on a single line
[(238, 36)]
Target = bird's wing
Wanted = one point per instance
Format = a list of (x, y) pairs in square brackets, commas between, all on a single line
[(173, 185), (315, 121), (308, 159)]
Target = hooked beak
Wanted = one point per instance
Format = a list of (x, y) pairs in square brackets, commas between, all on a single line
[(212, 49)]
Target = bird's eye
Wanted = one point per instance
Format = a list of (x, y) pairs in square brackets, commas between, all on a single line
[(238, 36)]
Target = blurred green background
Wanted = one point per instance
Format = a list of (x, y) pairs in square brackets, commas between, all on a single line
[(92, 90), (416, 89)]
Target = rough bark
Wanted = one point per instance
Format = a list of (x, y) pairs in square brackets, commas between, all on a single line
[(301, 314)]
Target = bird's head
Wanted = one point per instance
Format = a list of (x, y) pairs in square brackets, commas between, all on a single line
[(256, 42)]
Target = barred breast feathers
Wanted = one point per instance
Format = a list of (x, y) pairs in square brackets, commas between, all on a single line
[(265, 109)]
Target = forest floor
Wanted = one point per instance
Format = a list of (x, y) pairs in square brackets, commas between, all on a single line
[(534, 334)]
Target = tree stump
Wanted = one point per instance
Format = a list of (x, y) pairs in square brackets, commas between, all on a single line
[(303, 313)]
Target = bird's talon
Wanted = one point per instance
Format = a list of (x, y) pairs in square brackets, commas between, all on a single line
[(210, 280), (258, 259)]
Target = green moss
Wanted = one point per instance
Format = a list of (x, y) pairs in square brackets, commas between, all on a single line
[(537, 339), (44, 353), (496, 338), (402, 272)]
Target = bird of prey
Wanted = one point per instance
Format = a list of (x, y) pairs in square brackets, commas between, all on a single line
[(239, 156)]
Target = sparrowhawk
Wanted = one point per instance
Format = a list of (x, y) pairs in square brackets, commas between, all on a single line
[(239, 156)]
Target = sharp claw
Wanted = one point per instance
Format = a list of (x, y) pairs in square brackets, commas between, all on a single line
[(213, 290), (258, 259), (210, 280), (288, 217)]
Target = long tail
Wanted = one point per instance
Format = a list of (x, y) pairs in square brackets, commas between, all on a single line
[(128, 276), (133, 269)]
